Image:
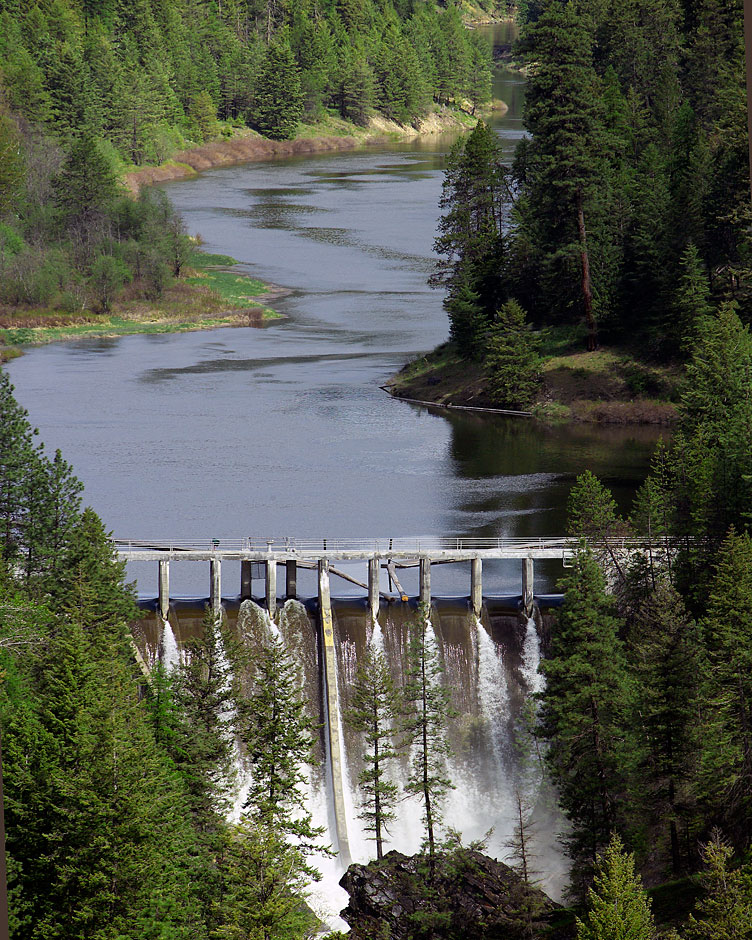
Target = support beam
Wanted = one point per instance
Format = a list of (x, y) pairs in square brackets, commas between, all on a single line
[(332, 712), (215, 593), (246, 580), (271, 588), (373, 588), (393, 577), (164, 589), (291, 579), (425, 581), (528, 585), (476, 586)]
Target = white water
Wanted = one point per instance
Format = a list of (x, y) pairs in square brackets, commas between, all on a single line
[(531, 659), (170, 652)]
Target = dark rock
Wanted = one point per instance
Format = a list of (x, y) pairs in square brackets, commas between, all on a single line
[(470, 896)]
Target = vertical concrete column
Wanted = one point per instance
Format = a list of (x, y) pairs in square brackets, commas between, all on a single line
[(332, 712), (373, 588), (528, 585), (164, 589), (271, 588), (215, 592), (246, 580), (425, 581), (476, 585), (291, 577)]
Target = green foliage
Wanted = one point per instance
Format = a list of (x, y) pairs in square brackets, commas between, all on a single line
[(584, 714), (278, 734), (470, 242), (374, 707), (511, 359), (618, 908), (725, 910), (108, 275), (279, 98), (426, 710)]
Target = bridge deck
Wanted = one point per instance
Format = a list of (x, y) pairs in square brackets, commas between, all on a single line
[(432, 549)]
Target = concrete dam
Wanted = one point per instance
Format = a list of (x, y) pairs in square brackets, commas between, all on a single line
[(489, 645)]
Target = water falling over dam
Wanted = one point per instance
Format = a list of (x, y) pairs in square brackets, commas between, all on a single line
[(490, 666)]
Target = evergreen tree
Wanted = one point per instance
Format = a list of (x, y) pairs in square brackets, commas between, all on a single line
[(426, 710), (725, 910), (264, 881), (511, 359), (373, 709), (726, 740), (562, 160), (618, 908), (667, 656), (278, 735), (278, 104), (470, 243), (583, 714), (467, 321)]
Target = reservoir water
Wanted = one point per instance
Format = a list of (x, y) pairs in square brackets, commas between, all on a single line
[(285, 431)]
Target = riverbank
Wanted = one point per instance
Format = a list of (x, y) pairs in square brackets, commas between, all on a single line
[(609, 386), (331, 134), (211, 292)]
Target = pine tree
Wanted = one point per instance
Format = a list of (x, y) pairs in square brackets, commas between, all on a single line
[(373, 709), (667, 657), (583, 713), (426, 711), (474, 195), (17, 458), (278, 735), (264, 886), (562, 160), (278, 104), (725, 910), (468, 323), (618, 906), (511, 359), (726, 739)]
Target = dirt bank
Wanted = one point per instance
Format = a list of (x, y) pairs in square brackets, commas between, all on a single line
[(248, 146)]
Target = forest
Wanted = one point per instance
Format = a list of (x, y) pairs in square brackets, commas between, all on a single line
[(88, 89), (624, 219), (625, 216)]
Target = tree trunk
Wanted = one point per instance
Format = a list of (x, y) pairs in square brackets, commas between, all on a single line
[(587, 292)]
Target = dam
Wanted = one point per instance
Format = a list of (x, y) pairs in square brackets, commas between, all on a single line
[(489, 647)]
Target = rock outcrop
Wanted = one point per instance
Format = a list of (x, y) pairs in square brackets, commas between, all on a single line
[(470, 896)]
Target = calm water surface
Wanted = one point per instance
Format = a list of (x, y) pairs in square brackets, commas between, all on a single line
[(285, 430)]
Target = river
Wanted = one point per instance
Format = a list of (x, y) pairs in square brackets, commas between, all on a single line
[(284, 430)]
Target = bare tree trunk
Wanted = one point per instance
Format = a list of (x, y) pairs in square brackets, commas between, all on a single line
[(587, 292)]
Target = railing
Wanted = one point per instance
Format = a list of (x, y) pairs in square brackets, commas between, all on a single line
[(385, 546)]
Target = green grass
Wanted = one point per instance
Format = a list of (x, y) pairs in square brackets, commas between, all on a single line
[(239, 290)]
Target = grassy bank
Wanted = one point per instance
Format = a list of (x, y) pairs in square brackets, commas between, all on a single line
[(608, 386), (209, 294)]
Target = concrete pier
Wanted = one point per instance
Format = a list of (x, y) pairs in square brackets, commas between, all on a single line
[(374, 571), (476, 585), (425, 581), (291, 579), (332, 711), (164, 589), (246, 580), (215, 589), (528, 585), (271, 588)]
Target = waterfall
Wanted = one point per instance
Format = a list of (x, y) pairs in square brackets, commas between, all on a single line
[(170, 652), (531, 659), (491, 668)]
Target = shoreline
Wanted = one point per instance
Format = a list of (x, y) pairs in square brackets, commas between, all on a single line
[(609, 386), (249, 147), (20, 330)]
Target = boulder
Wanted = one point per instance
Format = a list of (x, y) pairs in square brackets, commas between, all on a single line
[(468, 896)]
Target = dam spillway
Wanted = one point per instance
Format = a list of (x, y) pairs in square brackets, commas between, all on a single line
[(490, 665)]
